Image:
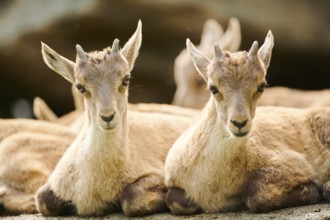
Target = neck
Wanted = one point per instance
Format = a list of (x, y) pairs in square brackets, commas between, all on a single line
[(106, 143), (218, 136)]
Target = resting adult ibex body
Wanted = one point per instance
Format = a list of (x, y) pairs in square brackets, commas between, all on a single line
[(29, 151)]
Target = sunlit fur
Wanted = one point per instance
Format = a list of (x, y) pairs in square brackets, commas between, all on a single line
[(115, 163), (75, 119), (29, 151), (276, 161), (297, 98)]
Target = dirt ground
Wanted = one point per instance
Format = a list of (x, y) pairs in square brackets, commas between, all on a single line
[(313, 212)]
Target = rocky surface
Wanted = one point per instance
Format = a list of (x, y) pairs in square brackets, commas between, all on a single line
[(313, 212), (300, 59)]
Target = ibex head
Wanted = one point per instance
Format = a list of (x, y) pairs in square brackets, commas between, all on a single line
[(236, 81), (102, 77)]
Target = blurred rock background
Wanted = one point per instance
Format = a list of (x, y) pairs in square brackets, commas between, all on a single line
[(300, 59)]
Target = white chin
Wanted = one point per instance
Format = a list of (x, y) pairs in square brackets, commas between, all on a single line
[(107, 127)]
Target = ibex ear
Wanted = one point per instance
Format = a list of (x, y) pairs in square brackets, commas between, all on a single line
[(200, 61), (56, 62), (231, 39), (131, 49), (265, 51), (212, 32), (42, 111)]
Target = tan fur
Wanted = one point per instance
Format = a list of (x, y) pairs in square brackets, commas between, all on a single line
[(13, 126), (29, 151), (287, 97), (118, 157), (277, 162), (75, 118), (192, 91)]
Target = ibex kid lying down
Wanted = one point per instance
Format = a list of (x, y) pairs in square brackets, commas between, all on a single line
[(222, 162), (117, 160)]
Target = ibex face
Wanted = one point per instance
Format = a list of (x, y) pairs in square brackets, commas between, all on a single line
[(102, 78), (236, 81)]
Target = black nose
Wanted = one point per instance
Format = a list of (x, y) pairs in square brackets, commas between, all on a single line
[(108, 118), (239, 124)]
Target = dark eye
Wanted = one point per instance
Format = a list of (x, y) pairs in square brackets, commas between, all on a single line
[(81, 88), (126, 80), (214, 90), (261, 87)]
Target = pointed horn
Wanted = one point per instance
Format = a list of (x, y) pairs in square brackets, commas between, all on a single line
[(254, 49), (81, 53), (115, 46), (217, 51)]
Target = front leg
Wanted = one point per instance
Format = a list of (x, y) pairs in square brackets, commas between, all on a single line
[(15, 202), (145, 196), (49, 204), (326, 191), (179, 203), (272, 188)]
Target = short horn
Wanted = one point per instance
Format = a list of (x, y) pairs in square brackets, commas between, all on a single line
[(81, 53), (115, 46), (254, 49), (217, 51)]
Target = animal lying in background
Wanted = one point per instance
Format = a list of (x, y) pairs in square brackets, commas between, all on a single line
[(192, 90), (29, 151), (224, 162), (117, 160), (75, 119), (287, 97)]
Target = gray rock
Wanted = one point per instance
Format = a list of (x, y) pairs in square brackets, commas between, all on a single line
[(313, 212)]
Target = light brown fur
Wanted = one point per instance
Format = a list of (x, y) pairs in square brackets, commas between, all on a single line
[(223, 162), (287, 97), (29, 151), (117, 160), (75, 118), (13, 126)]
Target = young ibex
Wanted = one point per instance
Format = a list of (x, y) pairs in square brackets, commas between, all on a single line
[(29, 151), (117, 160), (222, 162), (191, 90)]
